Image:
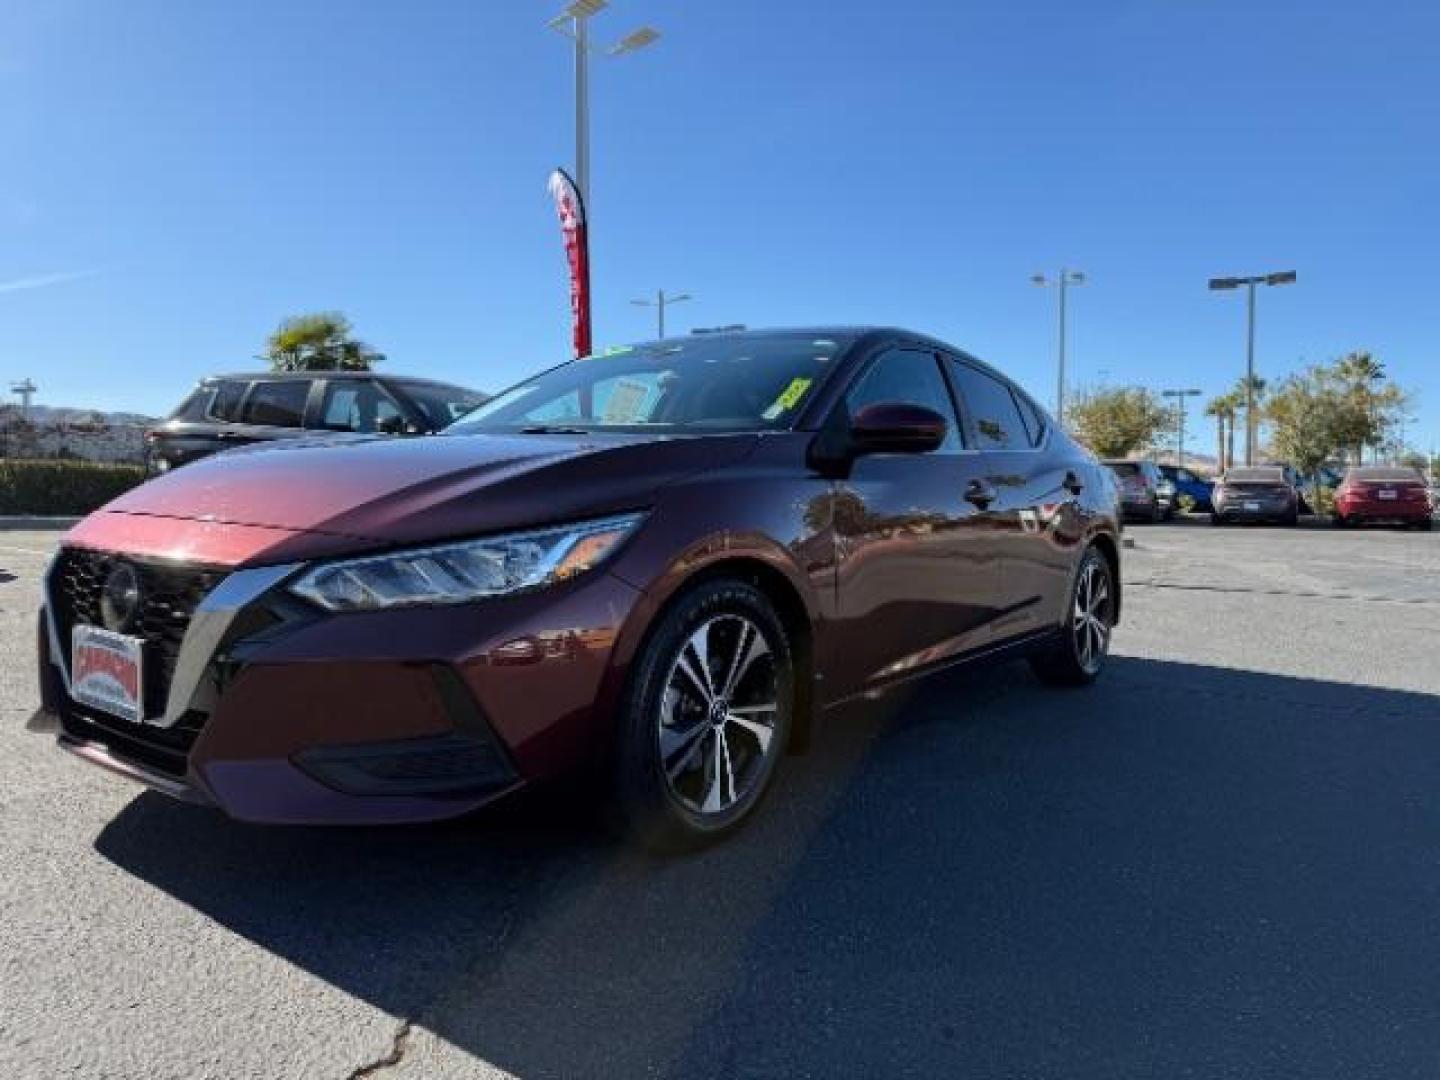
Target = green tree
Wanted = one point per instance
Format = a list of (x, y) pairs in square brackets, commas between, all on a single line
[(321, 341), (1117, 422), (1306, 417)]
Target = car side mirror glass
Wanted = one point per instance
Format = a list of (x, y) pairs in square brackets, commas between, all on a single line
[(893, 427)]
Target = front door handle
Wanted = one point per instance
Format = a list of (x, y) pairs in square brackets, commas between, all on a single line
[(981, 493), (1072, 484)]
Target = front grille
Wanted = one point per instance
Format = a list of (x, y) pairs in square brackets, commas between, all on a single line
[(170, 593)]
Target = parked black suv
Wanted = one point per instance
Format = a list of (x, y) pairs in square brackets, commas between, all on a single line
[(225, 411)]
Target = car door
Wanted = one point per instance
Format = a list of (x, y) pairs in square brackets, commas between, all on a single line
[(1036, 517), (917, 565), (273, 409)]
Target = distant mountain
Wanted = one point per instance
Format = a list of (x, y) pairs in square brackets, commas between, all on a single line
[(53, 415)]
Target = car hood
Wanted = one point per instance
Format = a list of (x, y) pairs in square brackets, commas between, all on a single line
[(301, 498)]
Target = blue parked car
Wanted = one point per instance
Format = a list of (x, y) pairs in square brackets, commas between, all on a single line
[(1192, 484)]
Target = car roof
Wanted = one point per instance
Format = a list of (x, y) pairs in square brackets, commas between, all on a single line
[(288, 376)]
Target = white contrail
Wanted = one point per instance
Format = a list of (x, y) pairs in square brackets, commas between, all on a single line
[(42, 280)]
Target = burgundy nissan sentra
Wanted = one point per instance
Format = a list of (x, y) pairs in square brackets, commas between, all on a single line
[(667, 563)]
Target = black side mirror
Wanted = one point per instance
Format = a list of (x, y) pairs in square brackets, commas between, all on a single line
[(893, 427), (887, 427)]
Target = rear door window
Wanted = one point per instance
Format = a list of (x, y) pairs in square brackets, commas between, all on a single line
[(992, 409), (277, 404)]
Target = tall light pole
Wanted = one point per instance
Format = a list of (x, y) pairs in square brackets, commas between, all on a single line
[(659, 304), (574, 23), (1181, 395), (1284, 277), (1062, 281), (25, 390)]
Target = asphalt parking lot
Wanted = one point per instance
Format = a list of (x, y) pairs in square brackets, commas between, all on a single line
[(1222, 861)]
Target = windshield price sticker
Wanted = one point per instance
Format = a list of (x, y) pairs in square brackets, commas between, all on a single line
[(789, 397), (626, 404)]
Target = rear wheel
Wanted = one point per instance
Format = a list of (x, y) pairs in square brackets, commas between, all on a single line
[(1425, 524), (1341, 521), (706, 717), (1077, 655)]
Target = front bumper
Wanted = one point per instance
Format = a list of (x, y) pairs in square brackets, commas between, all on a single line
[(396, 716)]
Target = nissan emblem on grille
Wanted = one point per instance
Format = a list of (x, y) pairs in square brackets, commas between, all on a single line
[(120, 599)]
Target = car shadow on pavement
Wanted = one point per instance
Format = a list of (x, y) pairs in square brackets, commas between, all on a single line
[(1183, 870)]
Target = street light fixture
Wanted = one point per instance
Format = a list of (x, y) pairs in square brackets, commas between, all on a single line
[(659, 304), (1284, 277), (25, 390), (1181, 395), (574, 23), (1062, 281)]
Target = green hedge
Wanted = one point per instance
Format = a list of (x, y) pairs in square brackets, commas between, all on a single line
[(62, 487)]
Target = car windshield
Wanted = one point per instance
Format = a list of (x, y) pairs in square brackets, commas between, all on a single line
[(1274, 475), (1386, 475), (1124, 468), (743, 382)]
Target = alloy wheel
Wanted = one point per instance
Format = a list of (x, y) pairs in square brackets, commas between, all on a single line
[(718, 714), (1091, 623)]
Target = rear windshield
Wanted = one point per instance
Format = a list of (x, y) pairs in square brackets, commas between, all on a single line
[(1391, 475), (1255, 476), (1124, 468), (744, 382)]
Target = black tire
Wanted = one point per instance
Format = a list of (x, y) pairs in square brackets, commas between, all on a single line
[(1063, 662), (1427, 525), (1341, 522), (1216, 519), (1293, 520), (1157, 513), (654, 809)]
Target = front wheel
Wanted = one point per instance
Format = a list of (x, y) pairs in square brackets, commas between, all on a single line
[(1077, 655), (705, 718)]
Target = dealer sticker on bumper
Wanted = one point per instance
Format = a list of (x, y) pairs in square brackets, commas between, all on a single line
[(105, 672)]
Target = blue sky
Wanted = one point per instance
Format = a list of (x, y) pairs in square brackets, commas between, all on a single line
[(204, 168)]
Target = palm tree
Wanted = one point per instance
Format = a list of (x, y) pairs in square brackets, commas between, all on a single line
[(1220, 408), (1238, 397), (1363, 374)]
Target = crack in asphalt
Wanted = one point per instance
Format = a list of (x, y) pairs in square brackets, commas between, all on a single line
[(390, 1059), (1303, 594)]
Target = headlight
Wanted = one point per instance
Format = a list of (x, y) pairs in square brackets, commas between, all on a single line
[(462, 572)]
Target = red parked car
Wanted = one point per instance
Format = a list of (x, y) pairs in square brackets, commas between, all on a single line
[(668, 564), (1384, 493)]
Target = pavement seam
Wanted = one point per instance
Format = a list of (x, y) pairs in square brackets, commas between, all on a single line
[(1278, 592), (398, 1045)]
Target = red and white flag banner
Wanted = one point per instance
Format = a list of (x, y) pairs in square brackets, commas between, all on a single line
[(576, 235)]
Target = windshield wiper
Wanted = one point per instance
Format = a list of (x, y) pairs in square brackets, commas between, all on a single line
[(553, 429)]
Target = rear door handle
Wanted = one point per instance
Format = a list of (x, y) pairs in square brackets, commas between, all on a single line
[(981, 493), (1072, 484)]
